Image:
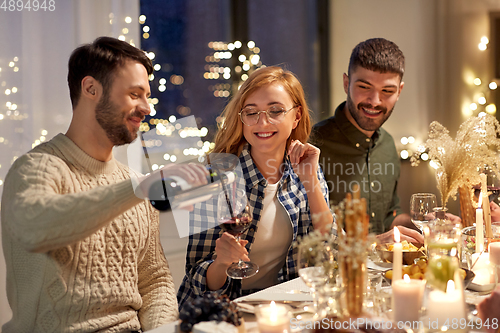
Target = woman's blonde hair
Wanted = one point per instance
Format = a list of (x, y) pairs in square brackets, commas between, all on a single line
[(229, 138)]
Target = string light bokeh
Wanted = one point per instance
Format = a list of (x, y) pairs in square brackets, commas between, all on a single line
[(476, 105)]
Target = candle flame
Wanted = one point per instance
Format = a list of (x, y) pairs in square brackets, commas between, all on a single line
[(450, 286), (397, 236), (406, 278), (273, 316), (426, 232), (480, 201)]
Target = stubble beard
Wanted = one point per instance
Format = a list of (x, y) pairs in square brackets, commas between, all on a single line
[(112, 121), (363, 122)]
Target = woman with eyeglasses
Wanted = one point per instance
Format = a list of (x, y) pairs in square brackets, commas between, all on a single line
[(267, 125)]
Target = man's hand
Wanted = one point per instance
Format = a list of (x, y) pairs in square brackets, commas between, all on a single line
[(495, 212), (194, 174), (407, 234), (489, 309), (453, 218)]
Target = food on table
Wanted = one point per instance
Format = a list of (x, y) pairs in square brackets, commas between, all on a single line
[(209, 307), (417, 271), (411, 251), (406, 247)]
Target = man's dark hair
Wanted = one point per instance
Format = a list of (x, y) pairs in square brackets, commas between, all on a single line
[(100, 59), (379, 55)]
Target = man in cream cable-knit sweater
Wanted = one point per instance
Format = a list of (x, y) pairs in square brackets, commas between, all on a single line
[(82, 250)]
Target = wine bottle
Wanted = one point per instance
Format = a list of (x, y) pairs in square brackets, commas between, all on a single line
[(174, 192)]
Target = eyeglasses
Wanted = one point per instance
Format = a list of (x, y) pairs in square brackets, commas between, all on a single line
[(275, 115)]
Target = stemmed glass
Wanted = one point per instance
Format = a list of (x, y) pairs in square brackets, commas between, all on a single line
[(421, 208), (316, 266), (234, 217)]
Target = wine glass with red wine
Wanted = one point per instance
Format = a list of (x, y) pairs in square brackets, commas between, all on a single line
[(234, 217)]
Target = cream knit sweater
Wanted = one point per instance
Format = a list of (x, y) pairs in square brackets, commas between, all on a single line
[(82, 251)]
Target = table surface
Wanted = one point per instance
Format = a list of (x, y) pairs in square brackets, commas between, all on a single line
[(293, 291)]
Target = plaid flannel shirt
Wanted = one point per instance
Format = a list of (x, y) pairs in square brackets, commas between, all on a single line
[(201, 247)]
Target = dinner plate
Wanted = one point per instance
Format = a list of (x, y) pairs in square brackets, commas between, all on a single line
[(378, 266), (481, 287)]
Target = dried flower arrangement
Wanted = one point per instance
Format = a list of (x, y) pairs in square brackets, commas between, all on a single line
[(460, 161), (354, 243), (319, 249)]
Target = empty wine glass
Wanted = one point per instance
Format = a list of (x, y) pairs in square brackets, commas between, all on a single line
[(316, 265), (421, 208), (234, 217)]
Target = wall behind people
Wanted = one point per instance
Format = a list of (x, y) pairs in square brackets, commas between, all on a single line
[(439, 39), (39, 44)]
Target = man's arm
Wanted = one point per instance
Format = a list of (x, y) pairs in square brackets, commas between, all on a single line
[(46, 206), (156, 284), (37, 213)]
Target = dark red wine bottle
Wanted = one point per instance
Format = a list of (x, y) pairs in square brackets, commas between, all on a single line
[(174, 192)]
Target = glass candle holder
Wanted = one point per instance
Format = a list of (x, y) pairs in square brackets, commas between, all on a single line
[(444, 235), (273, 318)]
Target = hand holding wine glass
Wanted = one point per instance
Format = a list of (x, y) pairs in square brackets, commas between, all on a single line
[(421, 208), (234, 218)]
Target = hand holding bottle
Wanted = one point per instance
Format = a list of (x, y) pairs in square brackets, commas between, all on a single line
[(194, 174)]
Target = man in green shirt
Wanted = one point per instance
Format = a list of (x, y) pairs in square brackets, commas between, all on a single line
[(354, 147)]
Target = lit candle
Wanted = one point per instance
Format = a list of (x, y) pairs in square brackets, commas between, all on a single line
[(407, 295), (397, 257), (445, 307), (479, 226), (273, 318)]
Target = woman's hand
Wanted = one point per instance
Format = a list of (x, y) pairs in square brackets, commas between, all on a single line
[(228, 250), (304, 159)]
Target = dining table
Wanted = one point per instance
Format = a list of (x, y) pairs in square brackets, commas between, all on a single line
[(296, 294)]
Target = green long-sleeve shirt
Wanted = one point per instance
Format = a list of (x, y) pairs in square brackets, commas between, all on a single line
[(349, 157)]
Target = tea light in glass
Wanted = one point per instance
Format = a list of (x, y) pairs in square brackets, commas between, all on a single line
[(273, 318)]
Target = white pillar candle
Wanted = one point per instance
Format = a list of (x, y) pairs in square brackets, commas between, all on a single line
[(479, 227), (486, 206), (407, 295), (397, 257), (445, 307), (273, 318), (481, 267), (494, 250)]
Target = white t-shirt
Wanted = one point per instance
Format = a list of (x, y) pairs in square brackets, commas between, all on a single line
[(272, 241)]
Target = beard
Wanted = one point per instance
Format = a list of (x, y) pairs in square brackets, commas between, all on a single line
[(113, 121), (364, 122)]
